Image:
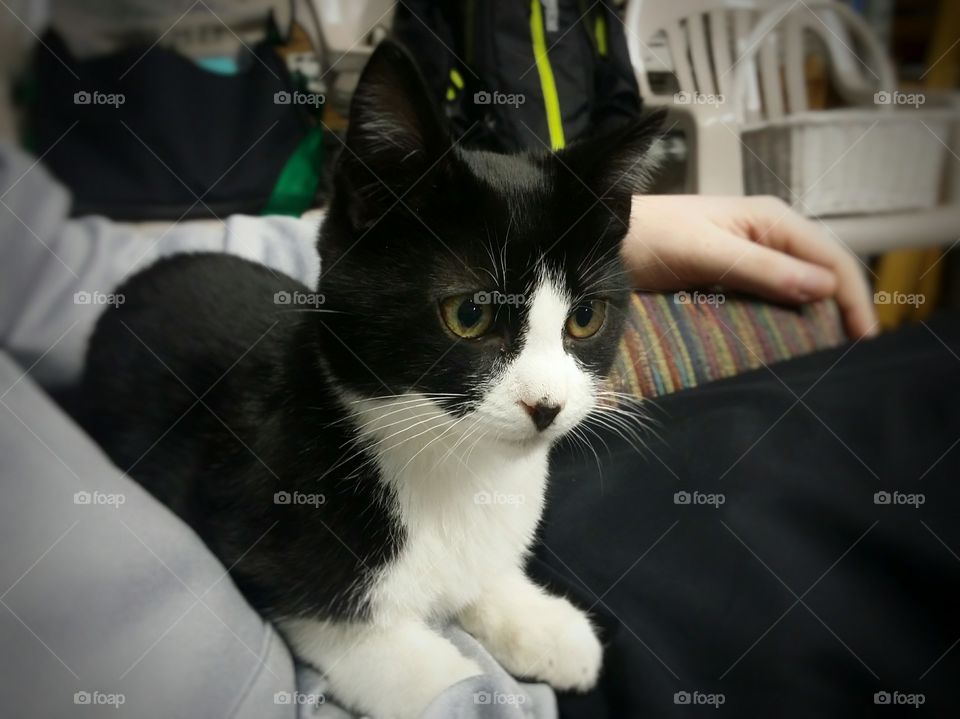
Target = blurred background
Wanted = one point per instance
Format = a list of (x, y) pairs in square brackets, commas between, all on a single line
[(164, 112)]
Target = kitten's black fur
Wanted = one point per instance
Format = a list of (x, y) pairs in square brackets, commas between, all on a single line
[(215, 398)]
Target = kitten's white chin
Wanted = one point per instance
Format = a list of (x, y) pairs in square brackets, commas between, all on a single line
[(533, 440)]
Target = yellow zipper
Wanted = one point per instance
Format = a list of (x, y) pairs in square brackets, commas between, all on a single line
[(550, 99)]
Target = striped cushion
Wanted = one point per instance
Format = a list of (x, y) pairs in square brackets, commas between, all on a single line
[(670, 345)]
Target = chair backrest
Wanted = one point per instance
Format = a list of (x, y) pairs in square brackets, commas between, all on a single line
[(710, 41), (341, 30), (702, 40)]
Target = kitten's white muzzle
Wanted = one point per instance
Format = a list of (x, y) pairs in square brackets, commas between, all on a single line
[(544, 391)]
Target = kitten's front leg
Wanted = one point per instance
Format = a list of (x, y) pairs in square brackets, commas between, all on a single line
[(535, 634), (390, 672)]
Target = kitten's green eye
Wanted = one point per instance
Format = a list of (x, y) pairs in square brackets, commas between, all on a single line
[(466, 318), (586, 319)]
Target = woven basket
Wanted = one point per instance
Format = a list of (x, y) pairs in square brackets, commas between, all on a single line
[(844, 162)]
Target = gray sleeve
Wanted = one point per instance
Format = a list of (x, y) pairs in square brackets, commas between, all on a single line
[(107, 597), (55, 270)]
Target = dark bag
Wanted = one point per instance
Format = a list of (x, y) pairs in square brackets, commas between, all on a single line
[(522, 74), (152, 136)]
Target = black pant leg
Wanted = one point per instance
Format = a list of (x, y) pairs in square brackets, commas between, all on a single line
[(787, 584)]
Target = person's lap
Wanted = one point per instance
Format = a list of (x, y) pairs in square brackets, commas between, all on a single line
[(790, 591)]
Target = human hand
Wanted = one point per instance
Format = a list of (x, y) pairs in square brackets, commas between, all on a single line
[(753, 244)]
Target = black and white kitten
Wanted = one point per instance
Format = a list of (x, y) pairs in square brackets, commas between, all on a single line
[(376, 465)]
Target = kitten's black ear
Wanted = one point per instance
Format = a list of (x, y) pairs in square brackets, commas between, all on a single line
[(395, 134), (616, 164)]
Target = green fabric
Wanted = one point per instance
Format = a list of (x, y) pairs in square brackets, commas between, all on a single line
[(296, 188)]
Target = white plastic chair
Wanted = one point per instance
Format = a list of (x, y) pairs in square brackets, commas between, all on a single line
[(344, 33), (737, 66)]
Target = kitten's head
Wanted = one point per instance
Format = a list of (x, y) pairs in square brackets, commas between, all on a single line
[(491, 284)]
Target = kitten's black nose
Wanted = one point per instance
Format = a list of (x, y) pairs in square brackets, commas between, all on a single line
[(542, 414)]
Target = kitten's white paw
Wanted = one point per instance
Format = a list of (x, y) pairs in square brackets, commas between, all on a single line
[(533, 634)]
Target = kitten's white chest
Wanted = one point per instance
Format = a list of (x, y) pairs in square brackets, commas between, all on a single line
[(468, 522)]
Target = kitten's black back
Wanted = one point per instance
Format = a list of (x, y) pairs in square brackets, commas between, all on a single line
[(197, 386)]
